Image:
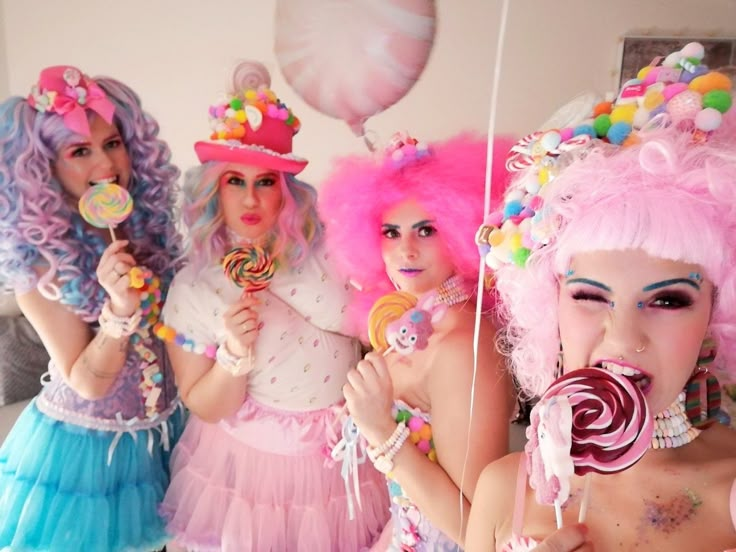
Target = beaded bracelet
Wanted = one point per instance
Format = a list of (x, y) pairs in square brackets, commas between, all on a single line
[(384, 463), (375, 452), (235, 365), (118, 326)]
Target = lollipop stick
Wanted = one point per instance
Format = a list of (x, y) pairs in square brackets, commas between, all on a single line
[(586, 499), (112, 232), (387, 351), (558, 513)]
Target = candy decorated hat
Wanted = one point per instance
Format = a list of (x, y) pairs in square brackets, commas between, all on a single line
[(677, 91), (251, 126), (65, 91)]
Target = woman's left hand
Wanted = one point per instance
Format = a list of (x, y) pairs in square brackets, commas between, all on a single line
[(369, 394)]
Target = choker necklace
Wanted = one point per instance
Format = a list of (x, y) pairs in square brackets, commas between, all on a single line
[(672, 427), (452, 291)]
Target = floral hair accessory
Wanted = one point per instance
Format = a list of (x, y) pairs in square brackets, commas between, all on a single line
[(676, 90), (250, 125), (66, 91), (403, 150)]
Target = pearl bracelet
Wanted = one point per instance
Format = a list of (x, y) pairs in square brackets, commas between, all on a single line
[(383, 456), (118, 327), (235, 365)]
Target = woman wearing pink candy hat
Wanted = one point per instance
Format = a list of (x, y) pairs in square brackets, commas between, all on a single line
[(259, 358), (86, 464)]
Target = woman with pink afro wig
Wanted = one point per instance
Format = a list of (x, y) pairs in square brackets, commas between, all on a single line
[(635, 273), (407, 221)]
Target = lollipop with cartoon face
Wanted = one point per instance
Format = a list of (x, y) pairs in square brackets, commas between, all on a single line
[(398, 322)]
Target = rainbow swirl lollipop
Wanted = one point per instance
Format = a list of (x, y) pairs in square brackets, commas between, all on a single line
[(105, 205), (250, 268)]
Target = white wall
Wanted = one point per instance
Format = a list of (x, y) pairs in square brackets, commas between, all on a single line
[(4, 88), (178, 53)]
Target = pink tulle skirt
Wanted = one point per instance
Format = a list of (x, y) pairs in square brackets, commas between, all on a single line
[(261, 482)]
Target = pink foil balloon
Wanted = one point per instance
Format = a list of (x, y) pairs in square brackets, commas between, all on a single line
[(352, 59)]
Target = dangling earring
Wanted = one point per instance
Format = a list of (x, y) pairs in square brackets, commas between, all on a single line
[(703, 380), (560, 361)]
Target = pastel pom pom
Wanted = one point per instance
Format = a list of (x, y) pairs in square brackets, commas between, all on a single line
[(672, 90), (550, 140), (693, 50), (424, 446), (584, 129), (601, 125), (718, 99), (416, 423), (624, 113), (618, 132), (603, 108), (712, 81), (566, 134), (709, 119)]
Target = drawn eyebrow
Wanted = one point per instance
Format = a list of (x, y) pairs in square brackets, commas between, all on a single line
[(589, 282), (671, 282)]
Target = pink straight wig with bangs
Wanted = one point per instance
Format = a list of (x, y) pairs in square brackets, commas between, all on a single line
[(667, 196), (449, 184)]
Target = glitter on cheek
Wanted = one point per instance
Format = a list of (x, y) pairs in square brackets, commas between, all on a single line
[(667, 517)]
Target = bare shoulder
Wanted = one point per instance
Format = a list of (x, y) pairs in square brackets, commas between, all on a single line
[(496, 487)]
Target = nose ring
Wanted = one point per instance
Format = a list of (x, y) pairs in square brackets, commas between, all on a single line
[(640, 349)]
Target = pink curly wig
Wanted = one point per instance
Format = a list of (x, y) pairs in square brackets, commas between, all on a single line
[(449, 184), (666, 196)]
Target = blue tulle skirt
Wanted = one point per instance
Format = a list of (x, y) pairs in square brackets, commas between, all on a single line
[(59, 494)]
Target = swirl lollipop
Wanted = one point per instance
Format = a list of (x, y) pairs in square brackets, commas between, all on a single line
[(250, 268), (590, 420), (105, 206)]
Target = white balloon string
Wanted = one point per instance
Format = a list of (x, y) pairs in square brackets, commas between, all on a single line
[(486, 209)]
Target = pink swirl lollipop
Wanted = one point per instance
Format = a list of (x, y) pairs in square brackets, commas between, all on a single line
[(105, 205), (590, 420)]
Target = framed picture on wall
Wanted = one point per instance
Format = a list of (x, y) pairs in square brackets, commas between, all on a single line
[(639, 51)]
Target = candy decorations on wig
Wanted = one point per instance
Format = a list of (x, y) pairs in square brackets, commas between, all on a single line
[(676, 90)]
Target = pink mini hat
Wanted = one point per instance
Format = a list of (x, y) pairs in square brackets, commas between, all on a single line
[(66, 91), (251, 126)]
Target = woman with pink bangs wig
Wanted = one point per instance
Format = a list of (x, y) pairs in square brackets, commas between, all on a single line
[(634, 272), (406, 221), (261, 372)]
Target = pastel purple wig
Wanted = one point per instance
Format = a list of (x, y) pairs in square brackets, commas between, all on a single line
[(671, 198), (40, 231), (449, 184)]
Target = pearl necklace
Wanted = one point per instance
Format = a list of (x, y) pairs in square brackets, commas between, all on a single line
[(672, 428)]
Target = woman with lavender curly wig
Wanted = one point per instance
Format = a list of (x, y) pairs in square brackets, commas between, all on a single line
[(407, 221), (85, 466)]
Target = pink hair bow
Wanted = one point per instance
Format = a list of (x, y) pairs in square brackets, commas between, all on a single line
[(64, 90)]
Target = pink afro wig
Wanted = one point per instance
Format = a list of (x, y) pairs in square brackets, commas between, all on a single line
[(449, 184), (667, 196)]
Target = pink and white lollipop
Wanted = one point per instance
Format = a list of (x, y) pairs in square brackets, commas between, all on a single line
[(590, 420)]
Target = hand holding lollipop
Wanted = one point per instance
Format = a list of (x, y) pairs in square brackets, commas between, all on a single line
[(592, 418), (105, 206), (251, 269)]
